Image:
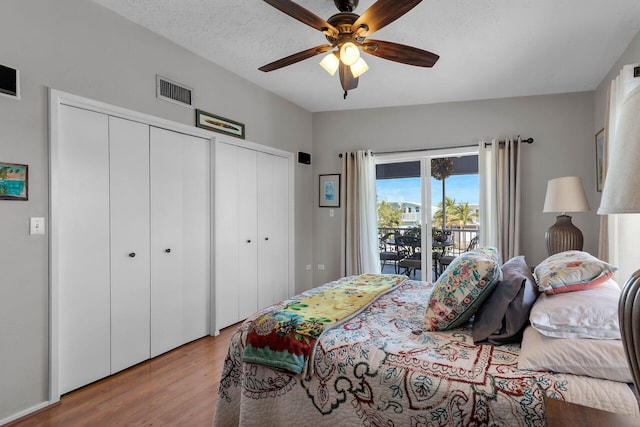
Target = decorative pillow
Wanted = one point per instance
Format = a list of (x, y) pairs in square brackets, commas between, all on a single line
[(462, 287), (571, 271), (505, 313), (592, 313), (595, 358)]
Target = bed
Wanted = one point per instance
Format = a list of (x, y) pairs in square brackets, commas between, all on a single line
[(380, 365)]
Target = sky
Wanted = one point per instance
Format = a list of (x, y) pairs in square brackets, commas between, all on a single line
[(462, 188)]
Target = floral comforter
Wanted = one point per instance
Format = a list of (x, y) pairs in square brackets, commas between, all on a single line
[(380, 368)]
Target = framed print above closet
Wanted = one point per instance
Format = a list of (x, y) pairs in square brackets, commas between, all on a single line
[(215, 123)]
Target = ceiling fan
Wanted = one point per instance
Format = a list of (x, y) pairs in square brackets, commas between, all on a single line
[(346, 32)]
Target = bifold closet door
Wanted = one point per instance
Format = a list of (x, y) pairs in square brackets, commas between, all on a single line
[(82, 215), (247, 212), (180, 238), (273, 229), (236, 225), (130, 275)]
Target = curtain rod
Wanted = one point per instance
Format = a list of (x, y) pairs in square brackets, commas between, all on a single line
[(527, 141)]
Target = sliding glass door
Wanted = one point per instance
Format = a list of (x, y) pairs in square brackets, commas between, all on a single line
[(427, 208)]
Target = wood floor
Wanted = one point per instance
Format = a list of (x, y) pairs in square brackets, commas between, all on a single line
[(178, 388)]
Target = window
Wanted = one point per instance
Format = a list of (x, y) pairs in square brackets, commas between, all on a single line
[(405, 184)]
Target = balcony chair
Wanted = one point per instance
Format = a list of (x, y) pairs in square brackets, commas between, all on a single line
[(445, 260), (409, 248), (387, 255)]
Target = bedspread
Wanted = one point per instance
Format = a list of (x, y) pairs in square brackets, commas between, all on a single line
[(284, 336), (380, 368)]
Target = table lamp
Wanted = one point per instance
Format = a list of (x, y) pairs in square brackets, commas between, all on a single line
[(564, 195), (621, 195)]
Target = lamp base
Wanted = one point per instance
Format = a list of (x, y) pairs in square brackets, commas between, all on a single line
[(628, 314), (563, 236)]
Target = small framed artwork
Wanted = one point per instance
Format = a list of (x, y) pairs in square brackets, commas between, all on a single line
[(14, 181), (330, 191), (599, 160), (219, 124)]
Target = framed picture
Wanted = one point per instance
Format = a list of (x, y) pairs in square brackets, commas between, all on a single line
[(219, 124), (14, 181), (599, 159), (330, 191)]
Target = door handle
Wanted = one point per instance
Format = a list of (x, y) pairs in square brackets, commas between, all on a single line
[(132, 254), (168, 250)]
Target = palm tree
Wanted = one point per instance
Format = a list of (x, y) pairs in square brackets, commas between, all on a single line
[(441, 169), (449, 210), (462, 213)]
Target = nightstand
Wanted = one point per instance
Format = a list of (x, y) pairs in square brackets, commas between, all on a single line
[(565, 414)]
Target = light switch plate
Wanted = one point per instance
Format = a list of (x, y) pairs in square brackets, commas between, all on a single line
[(37, 226)]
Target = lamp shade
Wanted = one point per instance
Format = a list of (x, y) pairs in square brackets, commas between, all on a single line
[(565, 194), (621, 192), (349, 53), (359, 68), (330, 63)]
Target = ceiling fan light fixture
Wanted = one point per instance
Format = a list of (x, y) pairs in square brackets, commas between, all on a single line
[(349, 53), (330, 63), (359, 68)]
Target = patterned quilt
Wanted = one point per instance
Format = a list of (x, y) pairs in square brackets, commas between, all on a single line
[(285, 336), (380, 368)]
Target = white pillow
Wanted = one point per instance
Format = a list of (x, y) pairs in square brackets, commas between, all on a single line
[(594, 358), (590, 313)]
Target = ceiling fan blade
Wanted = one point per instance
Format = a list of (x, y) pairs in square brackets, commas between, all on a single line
[(381, 14), (298, 12), (296, 57), (400, 53)]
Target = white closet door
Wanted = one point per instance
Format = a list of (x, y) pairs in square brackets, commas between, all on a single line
[(281, 220), (236, 234), (180, 239), (130, 276), (247, 233), (273, 230), (83, 247), (227, 248)]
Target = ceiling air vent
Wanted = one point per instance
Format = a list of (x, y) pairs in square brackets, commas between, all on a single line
[(172, 91)]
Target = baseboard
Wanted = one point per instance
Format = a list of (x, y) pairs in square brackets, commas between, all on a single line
[(27, 412)]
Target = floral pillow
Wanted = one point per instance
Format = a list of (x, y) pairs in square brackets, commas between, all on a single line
[(462, 288), (571, 271)]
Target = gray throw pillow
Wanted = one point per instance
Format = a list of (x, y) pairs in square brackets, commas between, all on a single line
[(505, 313)]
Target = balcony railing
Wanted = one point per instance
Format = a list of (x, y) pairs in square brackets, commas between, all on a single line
[(461, 237)]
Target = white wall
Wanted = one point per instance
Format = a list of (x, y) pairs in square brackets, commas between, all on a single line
[(81, 48), (562, 126)]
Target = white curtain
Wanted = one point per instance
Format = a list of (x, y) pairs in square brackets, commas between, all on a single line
[(359, 216), (499, 170), (609, 130)]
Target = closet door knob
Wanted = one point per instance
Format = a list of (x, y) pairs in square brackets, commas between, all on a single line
[(266, 238), (168, 250), (132, 254), (248, 241)]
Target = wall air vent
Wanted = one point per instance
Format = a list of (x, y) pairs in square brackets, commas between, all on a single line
[(173, 92)]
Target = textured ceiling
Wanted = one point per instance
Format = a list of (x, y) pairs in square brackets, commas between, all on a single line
[(488, 48)]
